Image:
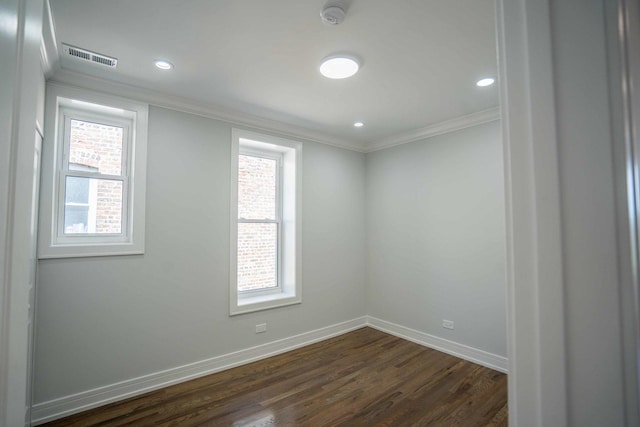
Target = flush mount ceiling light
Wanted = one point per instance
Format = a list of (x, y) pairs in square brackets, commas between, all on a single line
[(485, 82), (163, 65), (339, 66), (358, 124)]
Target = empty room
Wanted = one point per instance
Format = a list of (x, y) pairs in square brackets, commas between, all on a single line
[(324, 212)]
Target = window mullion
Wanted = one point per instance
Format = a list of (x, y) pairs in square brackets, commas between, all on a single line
[(94, 175), (257, 221)]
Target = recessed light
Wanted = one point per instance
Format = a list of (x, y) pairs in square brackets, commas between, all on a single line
[(485, 82), (163, 65), (339, 66), (358, 124)]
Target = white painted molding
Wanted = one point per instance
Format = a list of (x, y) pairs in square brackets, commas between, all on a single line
[(48, 45), (490, 360), (463, 122), (623, 27), (536, 314), (186, 105), (68, 405)]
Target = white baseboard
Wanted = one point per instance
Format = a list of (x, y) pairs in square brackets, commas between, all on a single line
[(490, 360), (68, 405)]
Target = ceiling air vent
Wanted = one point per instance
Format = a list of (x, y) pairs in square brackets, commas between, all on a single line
[(87, 55)]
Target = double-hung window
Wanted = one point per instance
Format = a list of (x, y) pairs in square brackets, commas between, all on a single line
[(93, 175), (265, 225)]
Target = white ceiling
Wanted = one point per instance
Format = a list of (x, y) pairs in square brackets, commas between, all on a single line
[(420, 58)]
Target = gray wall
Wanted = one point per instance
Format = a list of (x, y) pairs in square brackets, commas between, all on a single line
[(436, 239), (107, 319)]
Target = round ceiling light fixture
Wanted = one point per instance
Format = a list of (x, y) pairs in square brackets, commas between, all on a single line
[(339, 66), (485, 82), (162, 64), (358, 124)]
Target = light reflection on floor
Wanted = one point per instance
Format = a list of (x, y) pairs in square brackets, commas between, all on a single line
[(260, 419)]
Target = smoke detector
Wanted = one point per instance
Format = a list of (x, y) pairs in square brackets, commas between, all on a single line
[(333, 15)]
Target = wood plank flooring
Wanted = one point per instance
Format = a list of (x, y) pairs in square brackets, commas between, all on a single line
[(363, 378)]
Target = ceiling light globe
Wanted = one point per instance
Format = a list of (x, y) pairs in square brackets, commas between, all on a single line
[(163, 65), (339, 67), (358, 124), (485, 82)]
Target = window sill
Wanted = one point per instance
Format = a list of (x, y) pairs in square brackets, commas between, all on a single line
[(263, 302), (89, 250)]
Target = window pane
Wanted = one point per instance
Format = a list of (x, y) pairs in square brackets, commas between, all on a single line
[(257, 179), (92, 206), (257, 255), (95, 147), (77, 191)]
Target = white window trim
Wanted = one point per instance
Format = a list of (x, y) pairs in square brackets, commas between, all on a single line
[(132, 115), (290, 240)]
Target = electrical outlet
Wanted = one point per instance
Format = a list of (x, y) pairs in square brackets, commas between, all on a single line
[(262, 327), (448, 324)]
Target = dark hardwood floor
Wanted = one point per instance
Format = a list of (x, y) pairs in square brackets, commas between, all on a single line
[(363, 378)]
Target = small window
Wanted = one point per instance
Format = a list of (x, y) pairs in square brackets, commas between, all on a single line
[(96, 147), (94, 178), (265, 241)]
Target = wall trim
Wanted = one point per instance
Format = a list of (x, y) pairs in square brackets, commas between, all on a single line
[(536, 311), (48, 45), (452, 125), (68, 405), (72, 404), (187, 105), (481, 357)]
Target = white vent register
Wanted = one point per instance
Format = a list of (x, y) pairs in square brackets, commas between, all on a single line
[(88, 56)]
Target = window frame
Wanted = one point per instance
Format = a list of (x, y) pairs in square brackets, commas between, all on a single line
[(289, 202), (64, 104), (68, 114), (278, 157)]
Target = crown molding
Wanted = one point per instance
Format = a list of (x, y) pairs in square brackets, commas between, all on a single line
[(462, 122), (186, 105), (49, 57)]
